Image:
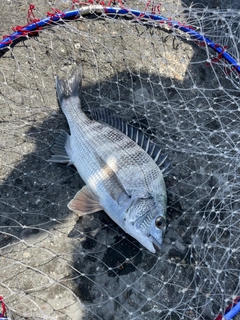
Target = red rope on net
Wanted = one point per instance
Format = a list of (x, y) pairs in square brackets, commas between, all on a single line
[(3, 312)]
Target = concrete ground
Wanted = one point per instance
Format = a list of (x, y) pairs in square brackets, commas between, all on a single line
[(55, 265)]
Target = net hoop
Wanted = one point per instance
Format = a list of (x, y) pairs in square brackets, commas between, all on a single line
[(138, 16)]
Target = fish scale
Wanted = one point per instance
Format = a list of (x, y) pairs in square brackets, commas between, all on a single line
[(130, 161), (121, 177)]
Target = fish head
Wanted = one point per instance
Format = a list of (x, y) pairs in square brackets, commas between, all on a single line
[(146, 222)]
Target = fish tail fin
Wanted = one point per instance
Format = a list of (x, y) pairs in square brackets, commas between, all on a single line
[(71, 87)]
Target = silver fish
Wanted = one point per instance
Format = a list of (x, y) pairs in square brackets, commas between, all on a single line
[(122, 174)]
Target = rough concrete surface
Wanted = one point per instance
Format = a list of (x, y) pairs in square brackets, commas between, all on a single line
[(55, 265)]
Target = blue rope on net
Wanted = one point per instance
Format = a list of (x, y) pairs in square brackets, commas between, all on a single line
[(232, 313), (139, 16)]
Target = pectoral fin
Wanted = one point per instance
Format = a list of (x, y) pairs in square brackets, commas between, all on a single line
[(115, 188), (84, 202)]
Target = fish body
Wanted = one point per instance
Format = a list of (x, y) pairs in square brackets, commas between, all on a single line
[(121, 177)]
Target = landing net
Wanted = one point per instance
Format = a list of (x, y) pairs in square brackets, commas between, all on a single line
[(170, 68)]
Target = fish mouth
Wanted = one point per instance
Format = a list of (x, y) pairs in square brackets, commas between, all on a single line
[(156, 243)]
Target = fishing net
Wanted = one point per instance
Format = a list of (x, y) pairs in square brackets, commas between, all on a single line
[(179, 90)]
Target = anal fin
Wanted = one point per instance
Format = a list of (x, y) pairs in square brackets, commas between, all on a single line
[(58, 149)]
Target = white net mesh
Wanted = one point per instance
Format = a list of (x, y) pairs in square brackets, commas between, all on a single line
[(56, 266)]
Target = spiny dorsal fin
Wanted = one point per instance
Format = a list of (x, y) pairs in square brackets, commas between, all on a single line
[(111, 118)]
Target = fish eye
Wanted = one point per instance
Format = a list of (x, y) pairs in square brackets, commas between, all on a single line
[(160, 222)]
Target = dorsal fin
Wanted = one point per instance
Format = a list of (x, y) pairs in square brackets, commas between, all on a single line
[(111, 118)]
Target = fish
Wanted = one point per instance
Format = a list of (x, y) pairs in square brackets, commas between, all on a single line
[(122, 168)]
